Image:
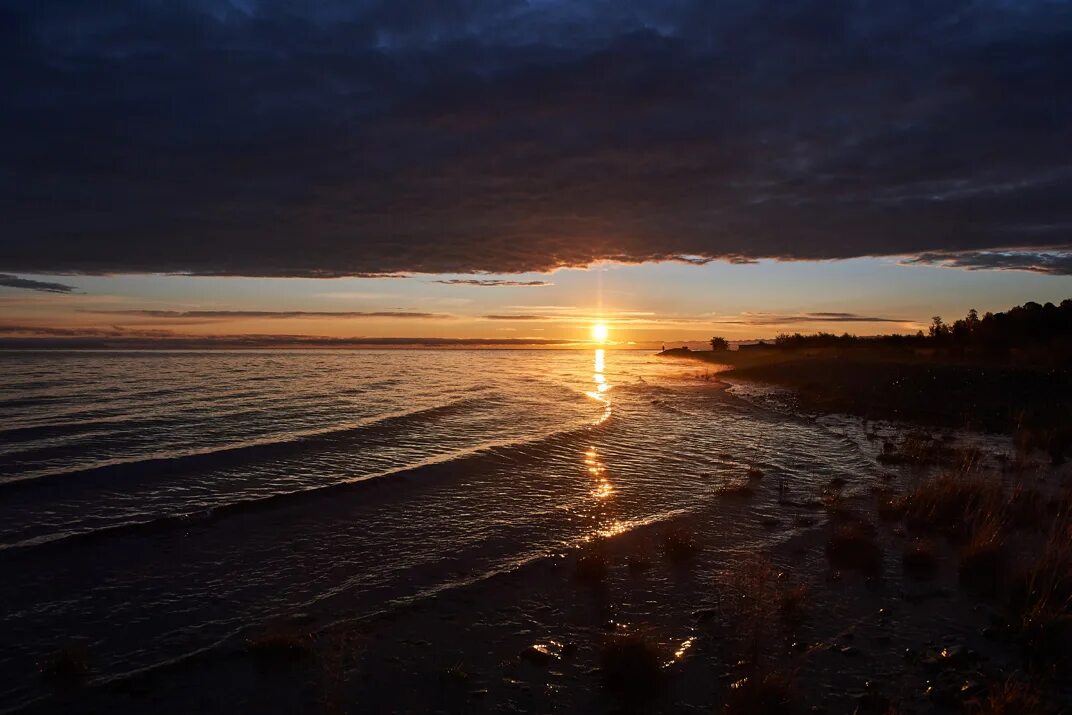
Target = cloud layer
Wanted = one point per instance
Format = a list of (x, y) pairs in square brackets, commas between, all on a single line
[(36, 337), (394, 136), (279, 314), (494, 283), (1057, 263), (792, 318), (9, 281)]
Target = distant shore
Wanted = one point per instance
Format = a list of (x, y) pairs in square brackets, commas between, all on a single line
[(1028, 401)]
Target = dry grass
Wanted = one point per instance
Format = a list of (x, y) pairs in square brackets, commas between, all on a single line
[(951, 502), (1026, 507), (923, 450), (1012, 697), (759, 601), (1055, 441), (981, 558), (1045, 608), (982, 515)]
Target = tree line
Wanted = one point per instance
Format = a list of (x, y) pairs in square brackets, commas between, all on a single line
[(1028, 324)]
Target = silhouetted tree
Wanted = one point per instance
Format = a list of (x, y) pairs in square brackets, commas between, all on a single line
[(1025, 325), (719, 344), (938, 329)]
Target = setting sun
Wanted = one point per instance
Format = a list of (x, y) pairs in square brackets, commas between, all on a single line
[(600, 332)]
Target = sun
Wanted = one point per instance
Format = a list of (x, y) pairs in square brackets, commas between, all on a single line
[(600, 332)]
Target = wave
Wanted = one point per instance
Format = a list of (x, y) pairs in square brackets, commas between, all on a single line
[(433, 468), (230, 455), (231, 642)]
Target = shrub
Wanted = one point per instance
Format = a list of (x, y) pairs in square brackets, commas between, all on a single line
[(946, 503)]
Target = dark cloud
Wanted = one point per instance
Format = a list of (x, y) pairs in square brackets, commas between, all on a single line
[(522, 316), (9, 281), (494, 283), (82, 332), (467, 136), (849, 318), (1057, 263), (776, 319), (39, 337), (241, 314)]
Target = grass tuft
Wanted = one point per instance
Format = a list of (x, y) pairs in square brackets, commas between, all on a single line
[(761, 602), (981, 557), (1045, 606), (1012, 697), (950, 503)]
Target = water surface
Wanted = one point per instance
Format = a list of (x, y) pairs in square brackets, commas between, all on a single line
[(153, 505)]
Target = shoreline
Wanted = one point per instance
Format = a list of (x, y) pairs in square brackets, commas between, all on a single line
[(535, 637), (1027, 402)]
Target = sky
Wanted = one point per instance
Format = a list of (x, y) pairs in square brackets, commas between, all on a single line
[(514, 171)]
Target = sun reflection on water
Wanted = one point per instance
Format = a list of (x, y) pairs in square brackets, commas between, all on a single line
[(601, 385), (602, 489)]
